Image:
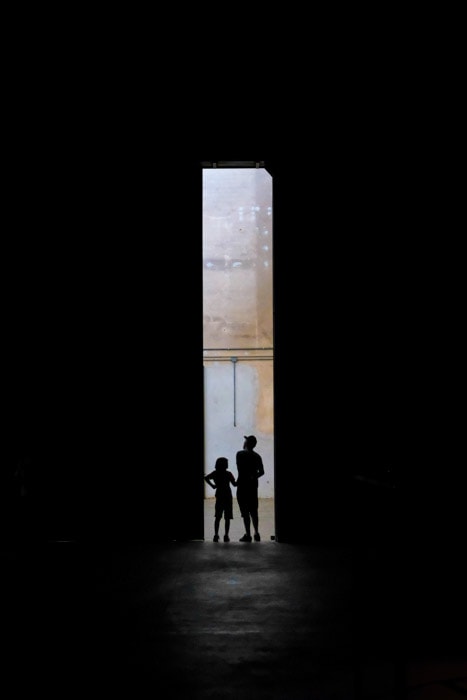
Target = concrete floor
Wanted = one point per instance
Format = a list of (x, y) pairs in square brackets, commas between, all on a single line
[(202, 620)]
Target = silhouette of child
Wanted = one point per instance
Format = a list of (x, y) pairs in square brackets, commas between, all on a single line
[(220, 479)]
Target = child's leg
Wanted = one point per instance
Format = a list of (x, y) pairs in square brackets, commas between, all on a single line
[(227, 526), (216, 525)]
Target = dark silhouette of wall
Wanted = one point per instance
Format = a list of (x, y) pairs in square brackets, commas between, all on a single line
[(105, 300), (373, 285)]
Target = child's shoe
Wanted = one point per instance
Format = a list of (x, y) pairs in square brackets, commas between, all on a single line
[(226, 538), (215, 538)]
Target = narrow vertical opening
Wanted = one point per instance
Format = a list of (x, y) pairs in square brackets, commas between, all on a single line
[(238, 346)]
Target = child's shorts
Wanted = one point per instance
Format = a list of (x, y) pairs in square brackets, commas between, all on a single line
[(224, 508)]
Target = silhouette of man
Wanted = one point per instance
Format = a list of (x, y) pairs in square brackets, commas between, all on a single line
[(250, 469)]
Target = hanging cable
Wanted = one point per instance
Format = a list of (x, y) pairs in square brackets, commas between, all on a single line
[(234, 362)]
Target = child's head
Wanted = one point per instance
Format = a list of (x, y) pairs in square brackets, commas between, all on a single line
[(221, 464)]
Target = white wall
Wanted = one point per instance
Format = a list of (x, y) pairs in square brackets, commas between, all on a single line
[(238, 316), (223, 438)]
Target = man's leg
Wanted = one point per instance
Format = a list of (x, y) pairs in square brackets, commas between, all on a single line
[(247, 523), (243, 505), (255, 521)]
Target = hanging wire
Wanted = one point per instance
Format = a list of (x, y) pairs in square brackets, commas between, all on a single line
[(234, 362)]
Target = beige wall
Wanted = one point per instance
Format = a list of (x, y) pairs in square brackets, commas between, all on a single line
[(238, 316)]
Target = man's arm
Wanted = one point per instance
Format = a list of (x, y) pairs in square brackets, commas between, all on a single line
[(260, 467)]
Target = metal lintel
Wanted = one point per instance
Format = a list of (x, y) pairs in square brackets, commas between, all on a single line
[(233, 164)]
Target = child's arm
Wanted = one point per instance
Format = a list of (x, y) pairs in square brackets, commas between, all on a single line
[(208, 480)]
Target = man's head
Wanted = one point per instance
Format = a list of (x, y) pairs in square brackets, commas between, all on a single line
[(250, 441)]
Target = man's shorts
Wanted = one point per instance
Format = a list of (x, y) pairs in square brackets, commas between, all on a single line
[(247, 501)]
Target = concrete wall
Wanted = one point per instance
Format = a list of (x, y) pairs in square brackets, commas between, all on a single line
[(238, 317), (229, 415)]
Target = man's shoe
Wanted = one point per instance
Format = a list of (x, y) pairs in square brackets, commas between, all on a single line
[(257, 537), (245, 538), (215, 538), (226, 538)]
